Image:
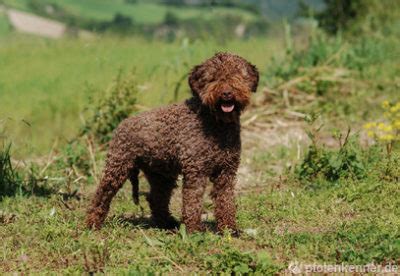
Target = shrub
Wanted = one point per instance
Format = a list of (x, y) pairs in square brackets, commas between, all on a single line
[(359, 16), (78, 159), (103, 117), (339, 14), (333, 164)]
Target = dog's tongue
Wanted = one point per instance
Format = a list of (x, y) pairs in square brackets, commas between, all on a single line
[(227, 107)]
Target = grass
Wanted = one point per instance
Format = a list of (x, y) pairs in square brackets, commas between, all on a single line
[(18, 4), (286, 221), (4, 25)]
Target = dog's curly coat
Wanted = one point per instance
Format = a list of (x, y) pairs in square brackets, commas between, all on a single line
[(199, 139)]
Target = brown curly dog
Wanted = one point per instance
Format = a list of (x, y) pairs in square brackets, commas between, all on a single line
[(199, 139)]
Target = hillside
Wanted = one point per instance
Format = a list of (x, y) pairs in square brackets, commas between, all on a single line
[(151, 12), (167, 19), (145, 12)]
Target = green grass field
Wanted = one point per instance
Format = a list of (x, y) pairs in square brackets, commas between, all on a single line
[(4, 25), (346, 223), (313, 187)]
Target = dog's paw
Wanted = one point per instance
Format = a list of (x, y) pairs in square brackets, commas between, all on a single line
[(169, 223)]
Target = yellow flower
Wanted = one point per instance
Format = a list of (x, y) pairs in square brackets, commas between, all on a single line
[(387, 137), (387, 115), (395, 108), (385, 104), (370, 125), (386, 131), (385, 127), (371, 133)]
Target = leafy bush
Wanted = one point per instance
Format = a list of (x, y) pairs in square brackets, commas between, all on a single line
[(78, 159), (103, 117), (359, 16), (339, 14), (349, 161), (333, 164)]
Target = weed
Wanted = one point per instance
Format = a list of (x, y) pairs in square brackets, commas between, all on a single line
[(103, 117), (10, 181), (20, 182), (78, 159), (231, 261), (333, 164)]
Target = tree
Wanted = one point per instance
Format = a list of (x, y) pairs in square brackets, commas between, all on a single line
[(339, 14)]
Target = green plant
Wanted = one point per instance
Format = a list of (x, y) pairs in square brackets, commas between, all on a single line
[(359, 16), (21, 182), (78, 159), (103, 117), (333, 164), (9, 178), (232, 261)]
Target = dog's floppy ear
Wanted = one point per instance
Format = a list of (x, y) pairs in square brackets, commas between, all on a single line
[(253, 75), (195, 81)]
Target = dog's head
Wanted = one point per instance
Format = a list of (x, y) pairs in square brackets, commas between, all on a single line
[(224, 83)]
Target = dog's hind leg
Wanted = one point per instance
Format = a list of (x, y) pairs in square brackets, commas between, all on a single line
[(161, 188), (133, 178), (118, 165)]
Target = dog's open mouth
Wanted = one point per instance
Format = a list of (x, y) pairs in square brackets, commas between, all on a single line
[(227, 107)]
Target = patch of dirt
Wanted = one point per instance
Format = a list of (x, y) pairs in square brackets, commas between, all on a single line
[(262, 131), (36, 25), (33, 24)]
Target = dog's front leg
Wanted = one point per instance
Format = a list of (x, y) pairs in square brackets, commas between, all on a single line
[(224, 202), (192, 200)]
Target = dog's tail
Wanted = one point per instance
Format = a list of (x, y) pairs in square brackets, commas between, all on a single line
[(134, 179)]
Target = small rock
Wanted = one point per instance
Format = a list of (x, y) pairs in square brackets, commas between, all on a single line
[(250, 231)]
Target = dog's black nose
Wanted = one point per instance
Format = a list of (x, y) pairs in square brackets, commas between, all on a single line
[(227, 95)]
